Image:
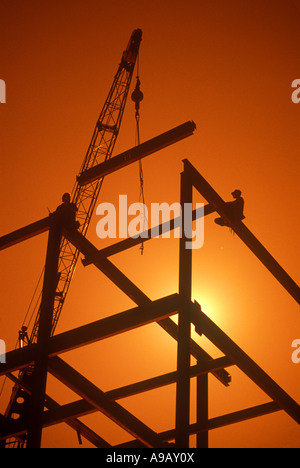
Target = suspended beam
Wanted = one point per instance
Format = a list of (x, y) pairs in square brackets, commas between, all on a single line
[(245, 363), (24, 233), (243, 232), (137, 152)]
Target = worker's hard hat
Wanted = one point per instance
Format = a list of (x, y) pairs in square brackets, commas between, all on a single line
[(236, 193)]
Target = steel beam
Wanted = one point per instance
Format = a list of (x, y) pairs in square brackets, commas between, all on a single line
[(95, 331), (136, 153), (243, 232), (226, 420), (245, 363), (156, 382), (19, 359), (24, 233), (111, 326)]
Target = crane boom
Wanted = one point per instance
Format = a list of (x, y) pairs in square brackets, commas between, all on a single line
[(84, 197), (100, 150)]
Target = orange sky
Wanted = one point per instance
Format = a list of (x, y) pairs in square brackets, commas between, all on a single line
[(229, 67)]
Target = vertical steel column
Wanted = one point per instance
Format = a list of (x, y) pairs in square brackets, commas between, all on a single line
[(184, 322), (202, 409), (39, 376)]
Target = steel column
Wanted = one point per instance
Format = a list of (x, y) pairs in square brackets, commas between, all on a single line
[(184, 323), (44, 333), (202, 409)]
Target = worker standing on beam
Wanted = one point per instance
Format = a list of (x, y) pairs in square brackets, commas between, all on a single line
[(67, 211)]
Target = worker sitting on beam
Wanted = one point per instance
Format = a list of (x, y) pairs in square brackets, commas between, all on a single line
[(235, 209)]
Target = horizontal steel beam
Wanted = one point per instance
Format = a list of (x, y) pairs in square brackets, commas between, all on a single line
[(116, 324), (245, 363), (19, 359), (243, 232), (168, 379), (95, 331), (137, 152), (24, 233), (225, 420)]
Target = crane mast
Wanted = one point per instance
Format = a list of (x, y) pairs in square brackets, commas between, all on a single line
[(85, 197)]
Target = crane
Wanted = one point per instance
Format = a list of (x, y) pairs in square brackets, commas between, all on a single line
[(85, 197)]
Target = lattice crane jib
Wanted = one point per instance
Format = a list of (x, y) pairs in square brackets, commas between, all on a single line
[(85, 197), (100, 149)]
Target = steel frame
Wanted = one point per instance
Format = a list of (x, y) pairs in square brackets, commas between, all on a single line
[(44, 355)]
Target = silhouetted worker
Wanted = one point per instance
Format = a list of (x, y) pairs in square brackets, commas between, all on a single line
[(67, 211), (235, 209)]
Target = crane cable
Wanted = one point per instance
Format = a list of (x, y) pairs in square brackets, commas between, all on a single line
[(137, 96)]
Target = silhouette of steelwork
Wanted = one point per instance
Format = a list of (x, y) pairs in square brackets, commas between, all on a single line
[(40, 354), (44, 356)]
